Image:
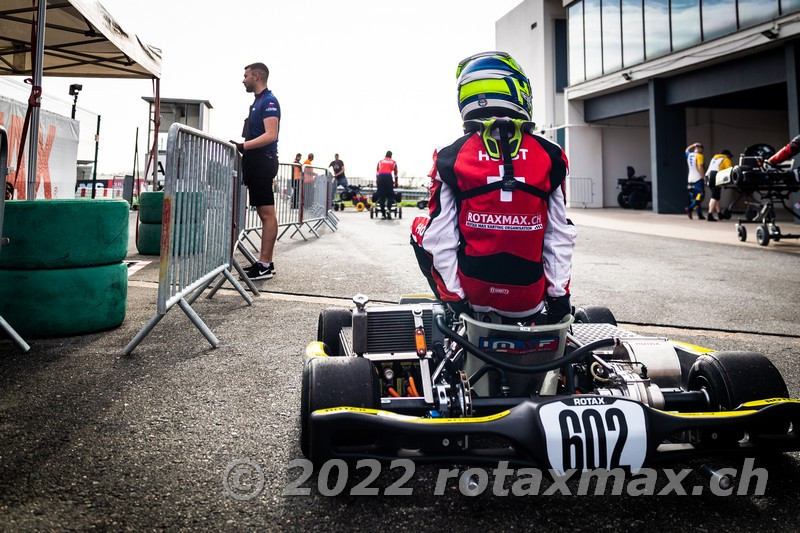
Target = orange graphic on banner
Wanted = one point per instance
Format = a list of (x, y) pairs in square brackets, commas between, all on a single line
[(43, 158)]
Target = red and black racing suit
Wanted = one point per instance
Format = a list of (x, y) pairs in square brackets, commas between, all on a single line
[(502, 250)]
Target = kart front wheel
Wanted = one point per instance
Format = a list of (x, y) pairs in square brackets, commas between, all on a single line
[(330, 323), (335, 382), (638, 200), (595, 314)]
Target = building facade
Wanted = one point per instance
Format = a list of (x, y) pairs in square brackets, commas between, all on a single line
[(646, 78)]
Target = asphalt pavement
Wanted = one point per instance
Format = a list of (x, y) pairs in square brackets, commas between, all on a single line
[(175, 435)]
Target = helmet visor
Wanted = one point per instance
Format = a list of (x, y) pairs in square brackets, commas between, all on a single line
[(503, 56)]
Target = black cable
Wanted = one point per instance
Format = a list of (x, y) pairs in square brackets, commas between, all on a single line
[(522, 369)]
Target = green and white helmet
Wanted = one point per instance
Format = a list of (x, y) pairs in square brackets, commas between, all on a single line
[(492, 84)]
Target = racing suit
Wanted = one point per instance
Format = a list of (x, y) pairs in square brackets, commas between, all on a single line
[(497, 237), (791, 149)]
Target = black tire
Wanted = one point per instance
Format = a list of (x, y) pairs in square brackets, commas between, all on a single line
[(65, 301), (330, 323), (60, 234), (595, 314), (622, 200), (150, 207), (776, 235), (372, 213), (733, 378), (741, 232), (762, 235), (335, 382), (422, 204), (638, 200), (400, 212)]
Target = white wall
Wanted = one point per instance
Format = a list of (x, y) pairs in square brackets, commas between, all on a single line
[(585, 152), (626, 141)]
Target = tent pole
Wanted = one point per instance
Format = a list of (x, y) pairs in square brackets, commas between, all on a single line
[(33, 145), (96, 148)]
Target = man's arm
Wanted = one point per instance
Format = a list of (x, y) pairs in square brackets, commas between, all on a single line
[(269, 136), (691, 147), (791, 149)]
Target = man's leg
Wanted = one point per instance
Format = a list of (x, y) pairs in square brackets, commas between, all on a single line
[(269, 232)]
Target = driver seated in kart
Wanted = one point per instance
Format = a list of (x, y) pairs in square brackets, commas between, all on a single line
[(498, 239)]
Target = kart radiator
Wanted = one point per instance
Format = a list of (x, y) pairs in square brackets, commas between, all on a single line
[(391, 329)]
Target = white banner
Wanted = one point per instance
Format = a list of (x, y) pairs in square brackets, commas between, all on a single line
[(58, 151)]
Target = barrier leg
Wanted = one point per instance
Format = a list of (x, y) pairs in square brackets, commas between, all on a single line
[(198, 323), (13, 335), (196, 294), (143, 333), (238, 287), (246, 253), (247, 281)]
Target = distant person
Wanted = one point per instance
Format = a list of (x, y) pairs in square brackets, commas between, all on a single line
[(337, 165), (790, 150), (385, 184), (720, 161), (297, 174), (308, 160), (260, 163), (696, 186)]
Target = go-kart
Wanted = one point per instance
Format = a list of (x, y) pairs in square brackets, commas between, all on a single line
[(754, 176), (635, 192), (352, 193), (393, 207), (416, 381)]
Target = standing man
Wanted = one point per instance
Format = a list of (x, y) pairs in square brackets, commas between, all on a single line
[(384, 182), (720, 161), (260, 163), (297, 169), (308, 160), (696, 186), (338, 171)]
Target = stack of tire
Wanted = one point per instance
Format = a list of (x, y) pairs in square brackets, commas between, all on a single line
[(63, 271), (148, 236)]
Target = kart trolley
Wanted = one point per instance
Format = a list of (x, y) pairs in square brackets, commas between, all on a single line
[(754, 176), (393, 207)]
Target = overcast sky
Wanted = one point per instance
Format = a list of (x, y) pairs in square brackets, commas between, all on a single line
[(354, 77)]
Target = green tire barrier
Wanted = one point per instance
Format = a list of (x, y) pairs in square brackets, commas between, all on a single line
[(151, 205), (148, 241), (61, 302), (53, 234)]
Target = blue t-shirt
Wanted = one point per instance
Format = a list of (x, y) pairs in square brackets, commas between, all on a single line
[(264, 106)]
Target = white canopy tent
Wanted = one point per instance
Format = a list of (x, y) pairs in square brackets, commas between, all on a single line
[(77, 38)]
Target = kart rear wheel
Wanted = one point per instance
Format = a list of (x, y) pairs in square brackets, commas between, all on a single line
[(595, 314), (330, 323), (335, 382), (733, 378), (638, 200), (741, 231), (762, 235), (622, 200)]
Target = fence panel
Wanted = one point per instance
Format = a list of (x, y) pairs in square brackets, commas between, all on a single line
[(201, 191), (580, 191)]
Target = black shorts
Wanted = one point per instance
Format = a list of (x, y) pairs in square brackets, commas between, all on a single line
[(716, 193), (259, 170), (711, 181)]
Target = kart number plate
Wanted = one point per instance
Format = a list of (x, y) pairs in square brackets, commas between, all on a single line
[(590, 432)]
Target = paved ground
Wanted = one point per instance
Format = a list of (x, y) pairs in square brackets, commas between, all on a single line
[(93, 439)]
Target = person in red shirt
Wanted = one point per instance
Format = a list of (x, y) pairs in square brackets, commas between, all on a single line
[(384, 182), (498, 239), (790, 150)]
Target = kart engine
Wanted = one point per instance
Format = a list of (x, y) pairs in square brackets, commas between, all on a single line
[(641, 369)]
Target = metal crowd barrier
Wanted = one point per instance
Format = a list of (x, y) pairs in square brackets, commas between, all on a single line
[(303, 200), (5, 326), (580, 191), (201, 191)]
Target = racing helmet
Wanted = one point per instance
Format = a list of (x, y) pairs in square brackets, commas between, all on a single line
[(762, 150), (492, 84)]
